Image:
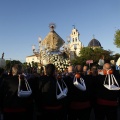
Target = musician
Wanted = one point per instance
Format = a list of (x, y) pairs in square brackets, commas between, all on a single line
[(49, 105), (13, 106), (106, 99), (78, 98)]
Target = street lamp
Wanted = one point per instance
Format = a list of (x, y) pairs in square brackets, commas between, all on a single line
[(38, 52), (66, 47)]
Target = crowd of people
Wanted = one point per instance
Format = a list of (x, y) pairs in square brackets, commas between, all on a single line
[(67, 95)]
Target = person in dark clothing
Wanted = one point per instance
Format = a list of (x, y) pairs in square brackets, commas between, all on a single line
[(2, 76), (78, 99), (2, 68), (49, 105), (14, 106), (31, 109), (106, 98), (79, 69), (85, 70)]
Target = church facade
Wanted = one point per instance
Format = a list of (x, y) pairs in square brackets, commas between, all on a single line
[(72, 48)]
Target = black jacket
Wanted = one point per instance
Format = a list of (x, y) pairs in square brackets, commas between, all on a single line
[(9, 94), (47, 92)]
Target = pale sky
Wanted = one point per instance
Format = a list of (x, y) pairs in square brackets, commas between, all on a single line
[(23, 21)]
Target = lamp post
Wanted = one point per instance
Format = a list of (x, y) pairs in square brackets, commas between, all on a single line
[(40, 48), (38, 52), (66, 47)]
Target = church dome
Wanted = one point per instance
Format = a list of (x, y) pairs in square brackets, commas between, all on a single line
[(94, 43)]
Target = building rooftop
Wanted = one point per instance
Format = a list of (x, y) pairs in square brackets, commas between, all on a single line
[(94, 43)]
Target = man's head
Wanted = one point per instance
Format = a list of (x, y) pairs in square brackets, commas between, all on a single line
[(70, 69), (78, 68), (17, 69), (50, 69), (85, 68), (106, 66), (94, 70)]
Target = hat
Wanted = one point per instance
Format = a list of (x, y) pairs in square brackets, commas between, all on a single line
[(2, 62)]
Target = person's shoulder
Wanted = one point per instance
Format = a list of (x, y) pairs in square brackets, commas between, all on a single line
[(43, 78), (87, 77), (116, 75), (8, 79), (4, 75), (69, 77)]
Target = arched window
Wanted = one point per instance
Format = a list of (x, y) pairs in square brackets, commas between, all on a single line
[(76, 39)]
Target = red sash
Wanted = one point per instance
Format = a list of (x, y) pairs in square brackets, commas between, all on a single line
[(80, 105), (107, 102)]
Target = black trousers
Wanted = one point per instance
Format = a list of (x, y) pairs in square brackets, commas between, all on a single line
[(79, 114), (14, 116), (17, 116), (53, 115), (109, 112)]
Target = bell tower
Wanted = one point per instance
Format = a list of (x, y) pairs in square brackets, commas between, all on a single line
[(75, 43), (74, 35)]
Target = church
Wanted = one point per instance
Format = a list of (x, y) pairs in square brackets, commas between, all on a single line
[(53, 46)]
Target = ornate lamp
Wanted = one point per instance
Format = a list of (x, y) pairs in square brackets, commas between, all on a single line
[(38, 52)]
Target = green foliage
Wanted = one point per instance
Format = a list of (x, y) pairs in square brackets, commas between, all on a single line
[(34, 64), (117, 38), (10, 63), (95, 54), (24, 65), (115, 56)]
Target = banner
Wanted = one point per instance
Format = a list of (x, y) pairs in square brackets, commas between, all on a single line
[(89, 61)]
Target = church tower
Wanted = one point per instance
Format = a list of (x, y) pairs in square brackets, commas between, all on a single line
[(75, 43)]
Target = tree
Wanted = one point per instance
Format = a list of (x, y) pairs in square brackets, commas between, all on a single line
[(10, 63), (115, 56), (117, 38), (88, 53)]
